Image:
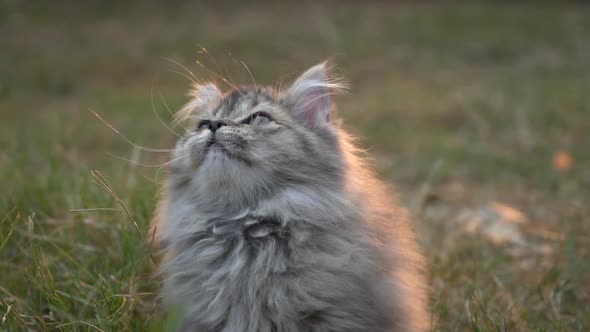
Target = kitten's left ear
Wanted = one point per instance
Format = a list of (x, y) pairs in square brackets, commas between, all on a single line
[(309, 98)]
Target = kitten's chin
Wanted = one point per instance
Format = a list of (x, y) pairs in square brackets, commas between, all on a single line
[(222, 183), (219, 156), (218, 159), (221, 166)]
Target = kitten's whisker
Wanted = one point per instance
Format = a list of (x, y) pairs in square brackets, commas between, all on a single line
[(232, 85), (158, 116), (168, 163), (196, 79), (149, 179), (279, 87), (204, 51), (250, 73), (227, 72), (133, 162), (232, 57), (185, 76), (170, 111), (210, 58), (143, 148)]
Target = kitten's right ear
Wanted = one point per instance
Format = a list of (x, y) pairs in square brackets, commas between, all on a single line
[(202, 96), (310, 97)]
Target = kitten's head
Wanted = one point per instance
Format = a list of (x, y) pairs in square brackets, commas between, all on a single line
[(252, 141)]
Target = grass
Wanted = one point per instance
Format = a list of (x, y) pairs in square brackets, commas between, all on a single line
[(461, 105)]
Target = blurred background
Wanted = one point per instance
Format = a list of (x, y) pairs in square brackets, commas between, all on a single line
[(479, 113)]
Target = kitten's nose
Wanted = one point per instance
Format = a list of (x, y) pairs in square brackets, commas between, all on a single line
[(216, 125)]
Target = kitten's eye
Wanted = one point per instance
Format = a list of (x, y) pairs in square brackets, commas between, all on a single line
[(259, 119), (204, 124)]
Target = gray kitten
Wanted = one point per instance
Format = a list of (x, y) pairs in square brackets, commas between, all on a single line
[(271, 221)]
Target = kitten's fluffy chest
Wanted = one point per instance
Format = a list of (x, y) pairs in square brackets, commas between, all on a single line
[(262, 270), (224, 238), (242, 239), (248, 248)]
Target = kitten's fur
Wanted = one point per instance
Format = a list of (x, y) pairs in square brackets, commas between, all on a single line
[(279, 225)]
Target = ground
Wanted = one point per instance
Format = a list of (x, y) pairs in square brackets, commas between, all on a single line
[(479, 114)]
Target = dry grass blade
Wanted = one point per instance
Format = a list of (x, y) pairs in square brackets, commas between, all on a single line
[(7, 214), (102, 182), (10, 309), (94, 209), (10, 230), (81, 322), (13, 309)]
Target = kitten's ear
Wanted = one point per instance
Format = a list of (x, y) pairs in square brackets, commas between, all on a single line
[(309, 97), (202, 96)]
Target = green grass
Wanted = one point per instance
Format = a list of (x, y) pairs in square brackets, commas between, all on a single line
[(460, 105)]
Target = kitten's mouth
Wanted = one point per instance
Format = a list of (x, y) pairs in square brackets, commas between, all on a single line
[(213, 144), (215, 147)]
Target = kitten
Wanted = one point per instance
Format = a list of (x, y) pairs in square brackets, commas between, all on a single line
[(271, 221)]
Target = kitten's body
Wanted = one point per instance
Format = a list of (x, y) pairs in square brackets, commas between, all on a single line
[(276, 225)]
